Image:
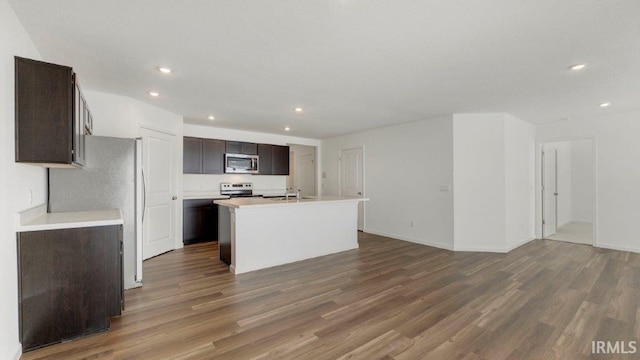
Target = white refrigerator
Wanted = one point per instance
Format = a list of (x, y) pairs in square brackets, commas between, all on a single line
[(112, 178)]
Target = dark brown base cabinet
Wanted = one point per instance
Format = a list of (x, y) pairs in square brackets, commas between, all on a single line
[(69, 282), (199, 221)]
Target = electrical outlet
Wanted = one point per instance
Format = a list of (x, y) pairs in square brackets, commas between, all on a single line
[(30, 197), (411, 223)]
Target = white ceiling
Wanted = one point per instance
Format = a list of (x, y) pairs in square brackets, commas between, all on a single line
[(351, 64)]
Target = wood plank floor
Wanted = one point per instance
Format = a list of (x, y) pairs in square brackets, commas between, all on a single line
[(388, 300)]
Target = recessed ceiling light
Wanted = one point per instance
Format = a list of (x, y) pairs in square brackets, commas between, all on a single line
[(298, 109), (577, 67), (153, 93), (605, 104), (287, 128), (164, 70), (211, 117)]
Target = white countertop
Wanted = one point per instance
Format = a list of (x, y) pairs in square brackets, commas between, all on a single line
[(52, 221), (268, 202)]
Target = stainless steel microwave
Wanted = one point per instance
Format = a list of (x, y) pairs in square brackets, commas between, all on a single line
[(240, 164)]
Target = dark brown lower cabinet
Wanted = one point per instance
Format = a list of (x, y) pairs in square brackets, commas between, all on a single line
[(199, 221), (69, 282)]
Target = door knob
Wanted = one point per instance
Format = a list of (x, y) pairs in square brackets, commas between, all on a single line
[(174, 198), (359, 193)]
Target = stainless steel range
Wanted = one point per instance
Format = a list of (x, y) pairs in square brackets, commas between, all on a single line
[(236, 190)]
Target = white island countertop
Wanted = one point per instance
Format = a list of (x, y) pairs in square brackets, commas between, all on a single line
[(53, 221), (255, 202)]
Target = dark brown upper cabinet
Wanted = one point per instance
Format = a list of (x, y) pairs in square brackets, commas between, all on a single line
[(280, 160), (206, 156), (238, 147), (192, 155), (265, 162), (203, 156), (51, 115), (213, 156), (274, 159)]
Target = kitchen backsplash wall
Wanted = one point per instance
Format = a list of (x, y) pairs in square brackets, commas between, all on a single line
[(198, 184)]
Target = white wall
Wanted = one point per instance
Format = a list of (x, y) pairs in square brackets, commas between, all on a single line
[(196, 184), (582, 181), (617, 150), (479, 182), (121, 116), (16, 180), (494, 191), (405, 165), (519, 180)]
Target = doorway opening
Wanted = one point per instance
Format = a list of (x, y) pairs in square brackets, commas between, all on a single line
[(568, 191)]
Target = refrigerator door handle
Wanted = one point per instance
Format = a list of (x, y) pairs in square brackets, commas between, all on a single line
[(144, 195), (141, 204)]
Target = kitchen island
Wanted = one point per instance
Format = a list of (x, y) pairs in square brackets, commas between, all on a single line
[(266, 232)]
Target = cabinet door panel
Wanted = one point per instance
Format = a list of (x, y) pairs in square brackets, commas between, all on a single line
[(232, 147), (200, 221), (238, 147), (44, 112), (192, 155), (280, 160), (213, 156), (78, 132), (193, 221), (265, 160), (249, 148), (70, 282)]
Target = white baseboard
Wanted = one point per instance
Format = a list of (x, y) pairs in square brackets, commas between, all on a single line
[(617, 247), (490, 249), (493, 249), (405, 238), (582, 221), (450, 247), (520, 243), (17, 352)]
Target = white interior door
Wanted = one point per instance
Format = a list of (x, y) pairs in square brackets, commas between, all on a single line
[(549, 192), (306, 174), (352, 178), (159, 168)]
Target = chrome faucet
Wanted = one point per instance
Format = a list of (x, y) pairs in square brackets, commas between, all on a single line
[(297, 194)]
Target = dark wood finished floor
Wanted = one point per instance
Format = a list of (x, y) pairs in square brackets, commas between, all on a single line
[(388, 300)]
